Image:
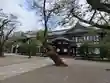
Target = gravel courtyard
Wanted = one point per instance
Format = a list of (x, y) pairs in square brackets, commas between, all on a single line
[(77, 72), (16, 59)]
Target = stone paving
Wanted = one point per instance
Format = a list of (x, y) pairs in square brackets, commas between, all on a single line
[(20, 69), (17, 69), (16, 59), (16, 65), (79, 71)]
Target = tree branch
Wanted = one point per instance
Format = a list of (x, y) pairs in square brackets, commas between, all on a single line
[(92, 16), (97, 5), (4, 23), (7, 36), (103, 18), (92, 23)]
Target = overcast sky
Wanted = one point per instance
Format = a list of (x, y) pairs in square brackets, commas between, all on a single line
[(29, 20)]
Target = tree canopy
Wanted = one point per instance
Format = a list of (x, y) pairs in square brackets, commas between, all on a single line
[(8, 23), (93, 12)]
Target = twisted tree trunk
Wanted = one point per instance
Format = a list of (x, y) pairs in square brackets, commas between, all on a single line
[(54, 56)]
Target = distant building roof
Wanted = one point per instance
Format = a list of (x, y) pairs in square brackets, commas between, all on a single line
[(78, 28), (57, 32), (60, 38)]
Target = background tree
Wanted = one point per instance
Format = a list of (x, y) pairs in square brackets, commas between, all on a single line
[(8, 23), (40, 36), (45, 9), (98, 5), (85, 12)]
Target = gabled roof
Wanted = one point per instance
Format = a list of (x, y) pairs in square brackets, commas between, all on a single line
[(61, 38), (57, 32), (78, 28)]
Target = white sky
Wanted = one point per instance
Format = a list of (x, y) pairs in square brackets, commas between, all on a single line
[(28, 18)]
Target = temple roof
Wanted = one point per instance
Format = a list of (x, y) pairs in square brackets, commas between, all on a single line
[(60, 38), (78, 28), (57, 32), (71, 42)]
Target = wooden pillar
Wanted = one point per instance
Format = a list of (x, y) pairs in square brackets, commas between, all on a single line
[(12, 49), (84, 38), (76, 39), (16, 51), (75, 52)]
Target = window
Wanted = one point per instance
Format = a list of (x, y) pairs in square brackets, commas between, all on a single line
[(91, 37), (65, 43), (97, 38), (65, 50), (58, 50), (87, 37), (76, 39), (84, 38), (59, 42)]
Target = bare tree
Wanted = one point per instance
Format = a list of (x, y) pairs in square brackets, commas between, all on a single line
[(8, 23), (45, 13)]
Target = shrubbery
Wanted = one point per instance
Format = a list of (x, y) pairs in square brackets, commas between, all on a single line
[(8, 46), (86, 50), (83, 51), (23, 49), (105, 51), (28, 49)]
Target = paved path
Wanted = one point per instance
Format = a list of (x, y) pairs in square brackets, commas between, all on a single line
[(22, 67), (12, 59), (16, 59), (77, 72)]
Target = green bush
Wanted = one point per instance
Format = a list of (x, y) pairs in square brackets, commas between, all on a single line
[(83, 51), (32, 49), (8, 46), (23, 49), (86, 51), (105, 51), (28, 49)]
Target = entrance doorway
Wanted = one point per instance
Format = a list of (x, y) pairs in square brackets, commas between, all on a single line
[(63, 46)]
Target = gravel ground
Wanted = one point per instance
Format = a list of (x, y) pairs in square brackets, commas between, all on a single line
[(16, 59), (77, 72)]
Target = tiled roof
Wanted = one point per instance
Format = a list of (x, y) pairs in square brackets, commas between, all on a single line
[(57, 32), (77, 29)]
